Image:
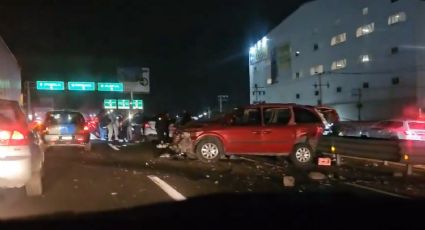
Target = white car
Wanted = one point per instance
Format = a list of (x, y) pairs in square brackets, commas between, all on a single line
[(402, 129), (20, 159)]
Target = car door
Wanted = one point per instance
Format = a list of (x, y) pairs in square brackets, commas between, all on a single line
[(244, 135), (278, 132)]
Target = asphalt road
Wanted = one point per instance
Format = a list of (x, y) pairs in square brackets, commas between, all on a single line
[(109, 178)]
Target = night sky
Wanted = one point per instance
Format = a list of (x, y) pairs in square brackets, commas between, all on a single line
[(195, 49)]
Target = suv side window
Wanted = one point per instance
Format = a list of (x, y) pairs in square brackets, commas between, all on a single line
[(305, 116), (277, 116), (248, 117)]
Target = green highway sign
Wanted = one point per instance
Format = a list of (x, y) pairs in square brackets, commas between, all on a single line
[(110, 87), (81, 86), (123, 104), (137, 104), (110, 104), (50, 85)]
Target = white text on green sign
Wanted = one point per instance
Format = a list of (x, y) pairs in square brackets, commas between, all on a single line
[(137, 104), (110, 87), (110, 104), (123, 104), (50, 85), (81, 86)]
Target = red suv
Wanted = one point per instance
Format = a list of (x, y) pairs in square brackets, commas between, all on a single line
[(264, 129)]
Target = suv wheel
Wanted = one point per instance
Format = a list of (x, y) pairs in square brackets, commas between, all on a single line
[(302, 156), (209, 150)]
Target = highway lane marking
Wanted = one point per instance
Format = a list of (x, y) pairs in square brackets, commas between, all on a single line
[(378, 190), (167, 188), (113, 147)]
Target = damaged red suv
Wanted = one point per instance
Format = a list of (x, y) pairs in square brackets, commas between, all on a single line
[(264, 129)]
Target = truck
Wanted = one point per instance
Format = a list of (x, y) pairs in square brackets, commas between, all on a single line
[(21, 158), (10, 75)]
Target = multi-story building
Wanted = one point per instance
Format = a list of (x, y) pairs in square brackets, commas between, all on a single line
[(365, 58)]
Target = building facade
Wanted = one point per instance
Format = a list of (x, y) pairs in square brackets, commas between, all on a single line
[(364, 58)]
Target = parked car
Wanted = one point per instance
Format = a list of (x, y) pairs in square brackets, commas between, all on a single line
[(65, 129), (402, 129), (329, 117), (263, 129), (21, 160)]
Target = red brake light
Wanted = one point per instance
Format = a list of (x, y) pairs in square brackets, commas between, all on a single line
[(86, 128), (17, 136), (147, 126)]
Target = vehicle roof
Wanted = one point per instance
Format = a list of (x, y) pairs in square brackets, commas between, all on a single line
[(64, 111), (404, 120), (278, 104)]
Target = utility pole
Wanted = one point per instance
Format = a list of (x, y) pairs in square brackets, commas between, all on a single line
[(221, 99), (357, 92), (320, 102), (29, 107)]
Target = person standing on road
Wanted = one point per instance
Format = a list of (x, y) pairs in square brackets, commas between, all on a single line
[(103, 123), (186, 118), (113, 127), (161, 129)]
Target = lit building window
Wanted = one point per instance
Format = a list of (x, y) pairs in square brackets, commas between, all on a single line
[(318, 69), (396, 18), (365, 58), (365, 29), (365, 11), (340, 38), (340, 64)]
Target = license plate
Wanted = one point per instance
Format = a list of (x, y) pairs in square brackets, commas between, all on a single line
[(324, 161), (67, 138)]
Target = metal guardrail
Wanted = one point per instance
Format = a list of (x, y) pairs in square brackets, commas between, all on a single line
[(403, 151)]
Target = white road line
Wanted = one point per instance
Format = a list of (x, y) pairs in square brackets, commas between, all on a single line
[(167, 188), (113, 147), (378, 191)]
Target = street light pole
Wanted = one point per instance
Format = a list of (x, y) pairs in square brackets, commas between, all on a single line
[(29, 110)]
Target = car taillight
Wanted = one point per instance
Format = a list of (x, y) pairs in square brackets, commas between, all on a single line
[(147, 126), (4, 135), (13, 137), (86, 128)]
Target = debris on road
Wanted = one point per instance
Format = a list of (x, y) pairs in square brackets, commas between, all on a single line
[(216, 182), (165, 155), (316, 176), (288, 181), (207, 176), (398, 174), (113, 193)]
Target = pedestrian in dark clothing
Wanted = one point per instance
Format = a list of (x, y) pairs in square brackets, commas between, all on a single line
[(162, 130), (186, 118)]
